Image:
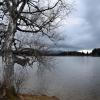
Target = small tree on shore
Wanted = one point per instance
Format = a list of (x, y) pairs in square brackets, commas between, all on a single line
[(25, 16)]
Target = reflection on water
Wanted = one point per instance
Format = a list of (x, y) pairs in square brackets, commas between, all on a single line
[(73, 78)]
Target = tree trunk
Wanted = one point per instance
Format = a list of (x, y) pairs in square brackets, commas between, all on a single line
[(8, 63)]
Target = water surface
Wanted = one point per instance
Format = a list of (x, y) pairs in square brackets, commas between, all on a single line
[(71, 78)]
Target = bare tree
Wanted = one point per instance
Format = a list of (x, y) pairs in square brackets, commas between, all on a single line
[(20, 77), (25, 16)]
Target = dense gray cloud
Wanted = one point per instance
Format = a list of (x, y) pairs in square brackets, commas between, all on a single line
[(81, 30), (63, 46), (83, 26), (93, 18)]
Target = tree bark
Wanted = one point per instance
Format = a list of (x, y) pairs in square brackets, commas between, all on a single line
[(8, 62)]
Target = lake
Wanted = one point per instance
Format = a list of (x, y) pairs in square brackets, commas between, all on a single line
[(70, 78)]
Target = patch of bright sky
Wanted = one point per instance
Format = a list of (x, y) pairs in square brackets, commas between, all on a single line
[(85, 51)]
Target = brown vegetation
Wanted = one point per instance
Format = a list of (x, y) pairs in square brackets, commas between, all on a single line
[(36, 97)]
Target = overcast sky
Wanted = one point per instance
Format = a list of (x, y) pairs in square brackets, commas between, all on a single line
[(82, 27)]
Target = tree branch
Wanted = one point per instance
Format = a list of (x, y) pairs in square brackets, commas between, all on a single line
[(42, 10), (31, 31)]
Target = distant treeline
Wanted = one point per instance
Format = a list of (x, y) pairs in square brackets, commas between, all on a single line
[(67, 53), (95, 52), (30, 52)]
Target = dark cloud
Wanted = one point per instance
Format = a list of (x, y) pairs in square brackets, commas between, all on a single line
[(83, 29), (85, 34), (64, 46), (93, 18)]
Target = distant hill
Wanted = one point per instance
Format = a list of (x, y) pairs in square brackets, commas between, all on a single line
[(30, 52), (96, 52), (71, 53)]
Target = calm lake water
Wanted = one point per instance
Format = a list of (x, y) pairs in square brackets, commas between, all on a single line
[(70, 78)]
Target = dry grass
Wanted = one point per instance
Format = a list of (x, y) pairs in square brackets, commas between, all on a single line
[(36, 97)]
